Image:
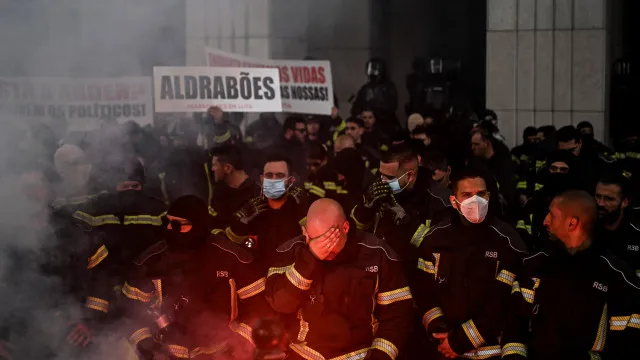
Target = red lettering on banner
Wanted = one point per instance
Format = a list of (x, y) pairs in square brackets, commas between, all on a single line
[(308, 75), (321, 76), (284, 74)]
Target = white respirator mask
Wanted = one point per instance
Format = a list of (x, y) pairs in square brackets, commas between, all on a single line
[(474, 209)]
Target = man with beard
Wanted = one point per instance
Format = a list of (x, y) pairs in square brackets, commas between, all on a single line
[(620, 231), (572, 300), (232, 186), (467, 265), (190, 291), (266, 221)]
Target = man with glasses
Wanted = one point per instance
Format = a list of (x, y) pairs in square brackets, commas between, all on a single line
[(465, 272), (323, 286)]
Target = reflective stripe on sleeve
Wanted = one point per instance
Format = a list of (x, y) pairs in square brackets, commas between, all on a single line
[(515, 287), (390, 297), (253, 289), (601, 336), (506, 277), (178, 351), (97, 304), (483, 352), (96, 220), (528, 295), (143, 220), (426, 266), (420, 233), (97, 258), (622, 322), (304, 327), (279, 270), (431, 315), (139, 335), (317, 191), (386, 347), (298, 280), (134, 293), (208, 350), (473, 334), (514, 349), (242, 329)]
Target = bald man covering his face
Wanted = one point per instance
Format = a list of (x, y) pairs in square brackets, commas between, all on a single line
[(325, 286)]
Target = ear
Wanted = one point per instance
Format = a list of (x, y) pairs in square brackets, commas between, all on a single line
[(452, 199), (624, 204), (448, 170), (346, 226), (574, 222), (292, 180), (261, 179)]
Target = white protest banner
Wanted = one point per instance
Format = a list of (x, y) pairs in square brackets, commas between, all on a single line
[(77, 100), (307, 85), (195, 89)]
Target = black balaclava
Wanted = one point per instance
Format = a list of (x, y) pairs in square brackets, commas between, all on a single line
[(195, 210), (349, 163)]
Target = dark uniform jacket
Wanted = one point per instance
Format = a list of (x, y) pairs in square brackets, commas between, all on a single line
[(226, 200), (624, 242), (466, 275), (355, 304), (205, 293), (120, 226), (583, 306), (426, 204)]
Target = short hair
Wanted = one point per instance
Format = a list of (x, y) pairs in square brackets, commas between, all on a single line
[(568, 133), (291, 121), (229, 154), (529, 131), (317, 152), (579, 203), (437, 161), (617, 179), (356, 121), (423, 129), (465, 174), (277, 157), (401, 154), (584, 125), (484, 135)]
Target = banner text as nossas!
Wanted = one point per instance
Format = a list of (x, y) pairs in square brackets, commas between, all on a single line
[(306, 85), (232, 89)]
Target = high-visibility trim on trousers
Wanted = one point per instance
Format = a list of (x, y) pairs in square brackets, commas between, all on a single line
[(483, 352)]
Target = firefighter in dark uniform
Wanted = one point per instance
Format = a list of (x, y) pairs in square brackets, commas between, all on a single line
[(573, 300), (324, 284), (467, 265), (120, 226), (192, 293), (619, 230), (268, 220), (401, 206)]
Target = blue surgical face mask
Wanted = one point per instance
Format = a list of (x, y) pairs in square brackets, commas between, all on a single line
[(274, 189), (395, 184)]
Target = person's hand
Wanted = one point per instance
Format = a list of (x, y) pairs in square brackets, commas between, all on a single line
[(375, 193), (322, 245), (444, 348), (334, 112), (5, 350), (251, 209), (80, 335)]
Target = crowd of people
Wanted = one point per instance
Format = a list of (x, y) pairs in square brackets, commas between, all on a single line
[(330, 238)]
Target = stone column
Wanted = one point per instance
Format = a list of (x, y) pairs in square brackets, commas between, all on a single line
[(547, 64)]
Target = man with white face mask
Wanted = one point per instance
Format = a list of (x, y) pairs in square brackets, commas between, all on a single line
[(266, 221), (466, 267)]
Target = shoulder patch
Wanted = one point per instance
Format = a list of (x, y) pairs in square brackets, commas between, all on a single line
[(373, 242), (291, 244), (223, 243), (152, 250)]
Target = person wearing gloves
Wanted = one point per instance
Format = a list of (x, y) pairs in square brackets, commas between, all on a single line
[(465, 271)]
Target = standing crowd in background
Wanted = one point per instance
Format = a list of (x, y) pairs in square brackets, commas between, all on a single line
[(323, 237)]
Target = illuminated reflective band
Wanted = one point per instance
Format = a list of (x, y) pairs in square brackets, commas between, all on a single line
[(330, 185), (208, 350), (419, 235), (435, 267), (386, 347), (621, 322), (97, 258), (601, 337), (212, 211), (178, 351), (431, 315), (222, 138), (514, 349), (304, 327), (308, 353), (303, 221), (426, 266), (216, 231), (521, 185), (515, 288), (522, 225), (506, 277), (96, 220), (540, 163), (253, 289), (390, 297), (134, 293), (235, 238), (242, 329), (383, 148), (633, 155), (473, 334), (359, 225), (308, 185), (638, 273), (296, 279), (157, 284), (280, 270), (234, 300), (483, 353), (155, 220), (594, 356), (317, 191), (97, 304), (139, 335), (538, 187), (341, 191), (528, 295)]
